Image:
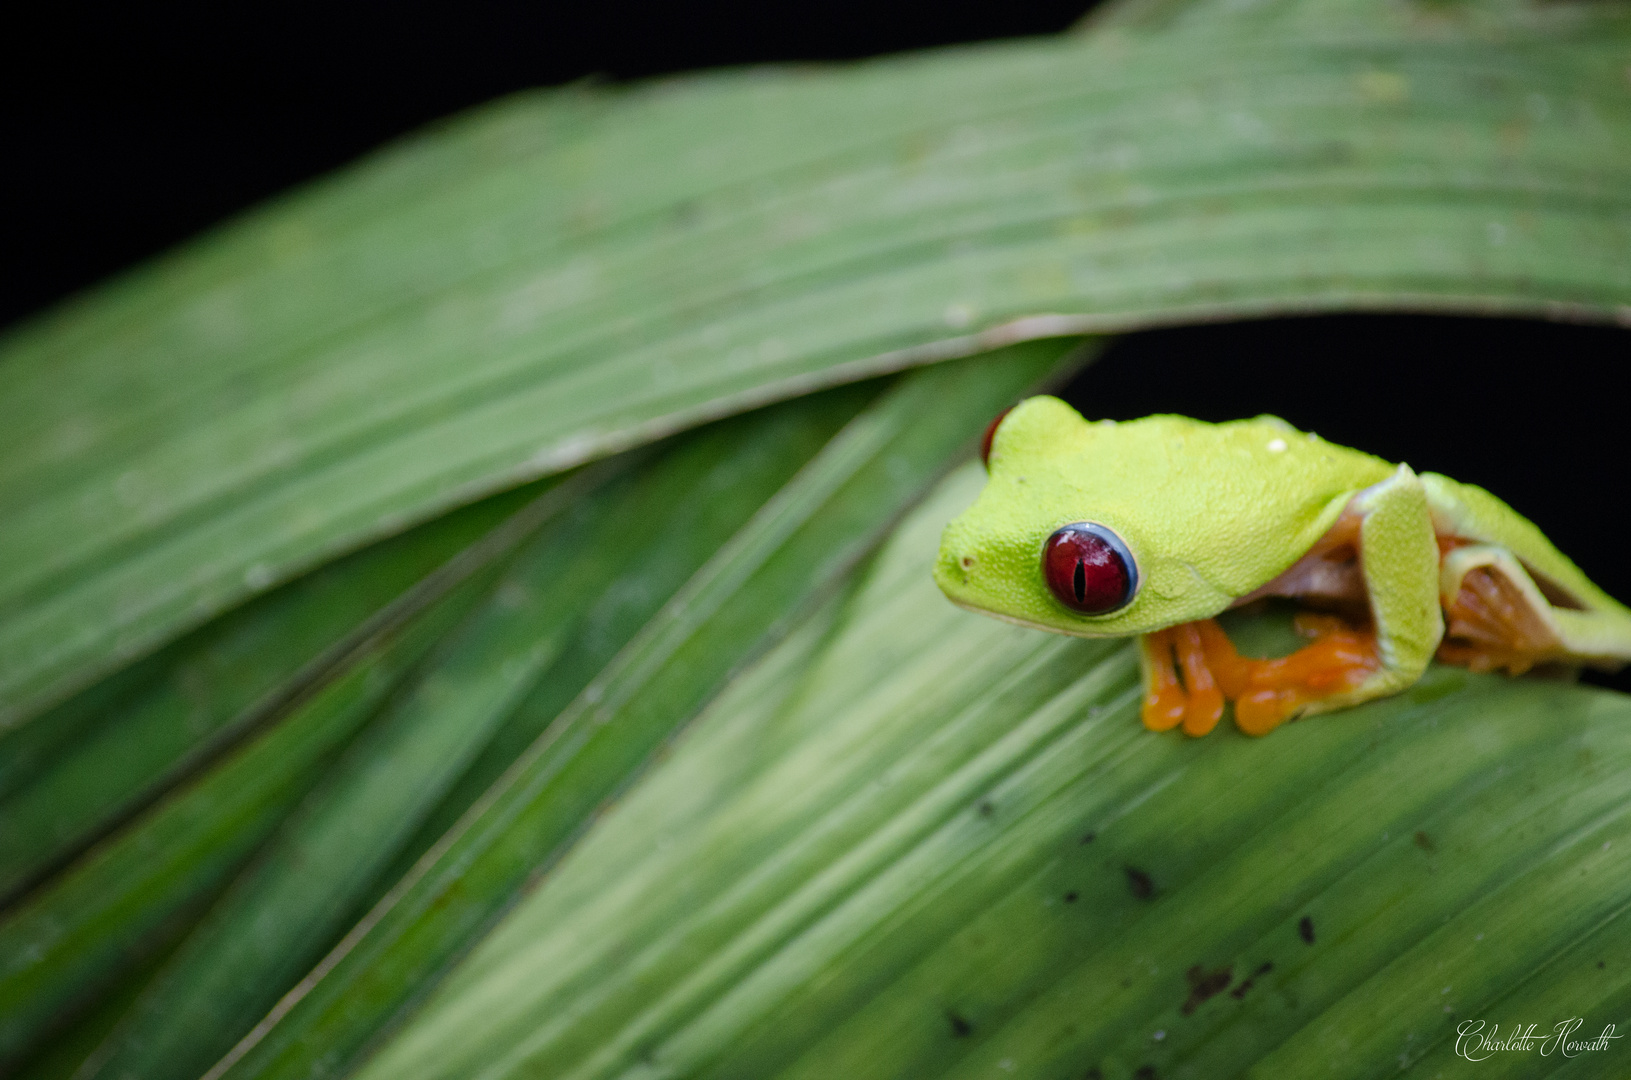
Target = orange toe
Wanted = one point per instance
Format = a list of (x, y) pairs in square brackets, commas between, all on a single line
[(1260, 711), (1165, 702), (1205, 699), (1190, 670)]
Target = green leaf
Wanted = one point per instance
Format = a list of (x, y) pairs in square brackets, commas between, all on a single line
[(799, 547), (618, 828), (75, 772), (131, 895), (918, 842), (637, 551), (573, 596), (70, 1045), (564, 275)]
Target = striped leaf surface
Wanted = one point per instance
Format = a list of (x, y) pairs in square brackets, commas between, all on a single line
[(567, 274), (338, 739), (918, 842)]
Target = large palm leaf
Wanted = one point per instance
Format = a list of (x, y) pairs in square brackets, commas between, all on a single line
[(358, 558)]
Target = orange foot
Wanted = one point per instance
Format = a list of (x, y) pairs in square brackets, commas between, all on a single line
[(1265, 692)]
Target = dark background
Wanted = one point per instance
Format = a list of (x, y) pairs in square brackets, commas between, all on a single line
[(130, 128)]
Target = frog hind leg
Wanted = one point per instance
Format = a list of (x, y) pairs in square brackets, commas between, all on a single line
[(1400, 560), (1500, 619), (1390, 528), (1513, 600)]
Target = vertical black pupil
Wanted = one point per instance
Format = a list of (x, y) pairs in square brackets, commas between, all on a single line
[(1079, 582)]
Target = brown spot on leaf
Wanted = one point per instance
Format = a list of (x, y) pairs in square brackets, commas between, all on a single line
[(986, 809), (1088, 838), (1240, 991), (1305, 929), (1203, 984), (1070, 898), (960, 1028), (1425, 842), (1140, 884), (1146, 1072)]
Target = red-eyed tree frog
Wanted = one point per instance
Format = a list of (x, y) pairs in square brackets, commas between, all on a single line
[(1152, 527)]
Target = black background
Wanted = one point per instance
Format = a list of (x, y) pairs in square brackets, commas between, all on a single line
[(127, 129), (131, 126)]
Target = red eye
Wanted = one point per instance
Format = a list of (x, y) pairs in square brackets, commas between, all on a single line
[(991, 433), (1089, 569)]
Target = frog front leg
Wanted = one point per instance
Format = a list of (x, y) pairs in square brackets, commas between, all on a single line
[(1190, 669)]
